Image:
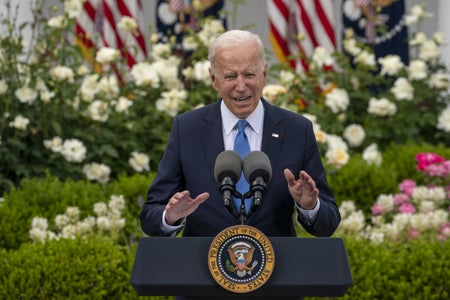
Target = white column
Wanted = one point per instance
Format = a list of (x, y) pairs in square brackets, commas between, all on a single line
[(444, 27)]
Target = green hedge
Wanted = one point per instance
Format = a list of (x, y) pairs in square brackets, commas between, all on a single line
[(362, 183), (88, 269), (47, 197), (97, 269), (416, 270)]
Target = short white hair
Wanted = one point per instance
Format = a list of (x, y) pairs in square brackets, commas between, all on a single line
[(233, 38)]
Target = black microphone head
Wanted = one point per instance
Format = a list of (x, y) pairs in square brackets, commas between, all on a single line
[(228, 164), (257, 164)]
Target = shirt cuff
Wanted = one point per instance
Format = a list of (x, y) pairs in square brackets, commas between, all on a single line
[(309, 214), (169, 229)]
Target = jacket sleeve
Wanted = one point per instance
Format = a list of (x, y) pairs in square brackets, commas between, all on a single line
[(168, 180)]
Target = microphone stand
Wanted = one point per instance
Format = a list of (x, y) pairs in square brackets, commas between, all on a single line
[(242, 211)]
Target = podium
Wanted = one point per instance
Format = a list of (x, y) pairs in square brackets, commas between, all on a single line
[(179, 266)]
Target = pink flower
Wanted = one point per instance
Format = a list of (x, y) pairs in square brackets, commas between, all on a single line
[(406, 208), (413, 233), (400, 198), (407, 186), (445, 231), (424, 159), (377, 209), (441, 169)]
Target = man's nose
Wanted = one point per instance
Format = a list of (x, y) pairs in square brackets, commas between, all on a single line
[(240, 83)]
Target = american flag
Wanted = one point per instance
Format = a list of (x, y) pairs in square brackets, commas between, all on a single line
[(296, 27), (97, 27)]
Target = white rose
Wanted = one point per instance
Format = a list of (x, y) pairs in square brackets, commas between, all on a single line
[(73, 150), (97, 172), (372, 156), (429, 51), (417, 70), (365, 58), (20, 122), (418, 39), (58, 22), (322, 57), (98, 111), (89, 87), (381, 107), (109, 86), (55, 144), (354, 134), (170, 101), (439, 81), (128, 24), (73, 8), (123, 104), (144, 74), (160, 51), (272, 91), (402, 89), (189, 43), (337, 156), (167, 70), (26, 94), (139, 161), (62, 73), (390, 64), (201, 71), (107, 55), (351, 46), (286, 78), (337, 100)]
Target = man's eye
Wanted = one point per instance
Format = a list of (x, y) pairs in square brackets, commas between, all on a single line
[(229, 77)]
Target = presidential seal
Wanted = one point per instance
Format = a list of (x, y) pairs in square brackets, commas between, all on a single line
[(241, 259)]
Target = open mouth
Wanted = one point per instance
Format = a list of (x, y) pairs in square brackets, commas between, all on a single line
[(243, 99)]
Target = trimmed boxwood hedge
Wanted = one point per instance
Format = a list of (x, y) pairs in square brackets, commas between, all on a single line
[(95, 268), (100, 268)]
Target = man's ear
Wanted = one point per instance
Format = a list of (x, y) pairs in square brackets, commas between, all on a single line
[(212, 78)]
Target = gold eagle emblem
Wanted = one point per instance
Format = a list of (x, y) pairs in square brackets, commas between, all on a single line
[(241, 256)]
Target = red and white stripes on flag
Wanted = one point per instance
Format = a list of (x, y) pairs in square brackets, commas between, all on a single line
[(96, 27), (312, 20)]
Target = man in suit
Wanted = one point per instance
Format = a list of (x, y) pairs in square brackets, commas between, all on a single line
[(185, 195)]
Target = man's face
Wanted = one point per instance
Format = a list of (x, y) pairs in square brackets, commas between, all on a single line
[(239, 78)]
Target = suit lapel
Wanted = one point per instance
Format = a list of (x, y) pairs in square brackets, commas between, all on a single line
[(273, 134), (211, 135)]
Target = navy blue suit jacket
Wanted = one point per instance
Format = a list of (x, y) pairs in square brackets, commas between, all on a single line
[(188, 163)]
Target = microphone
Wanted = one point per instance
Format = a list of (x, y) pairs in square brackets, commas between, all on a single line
[(227, 171), (258, 172)]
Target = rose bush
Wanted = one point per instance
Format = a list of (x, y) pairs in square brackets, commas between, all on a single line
[(74, 119), (415, 211), (361, 105), (95, 121)]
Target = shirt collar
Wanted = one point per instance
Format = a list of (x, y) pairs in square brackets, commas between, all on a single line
[(255, 119)]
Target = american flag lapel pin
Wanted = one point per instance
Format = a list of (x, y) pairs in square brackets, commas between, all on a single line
[(275, 135)]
